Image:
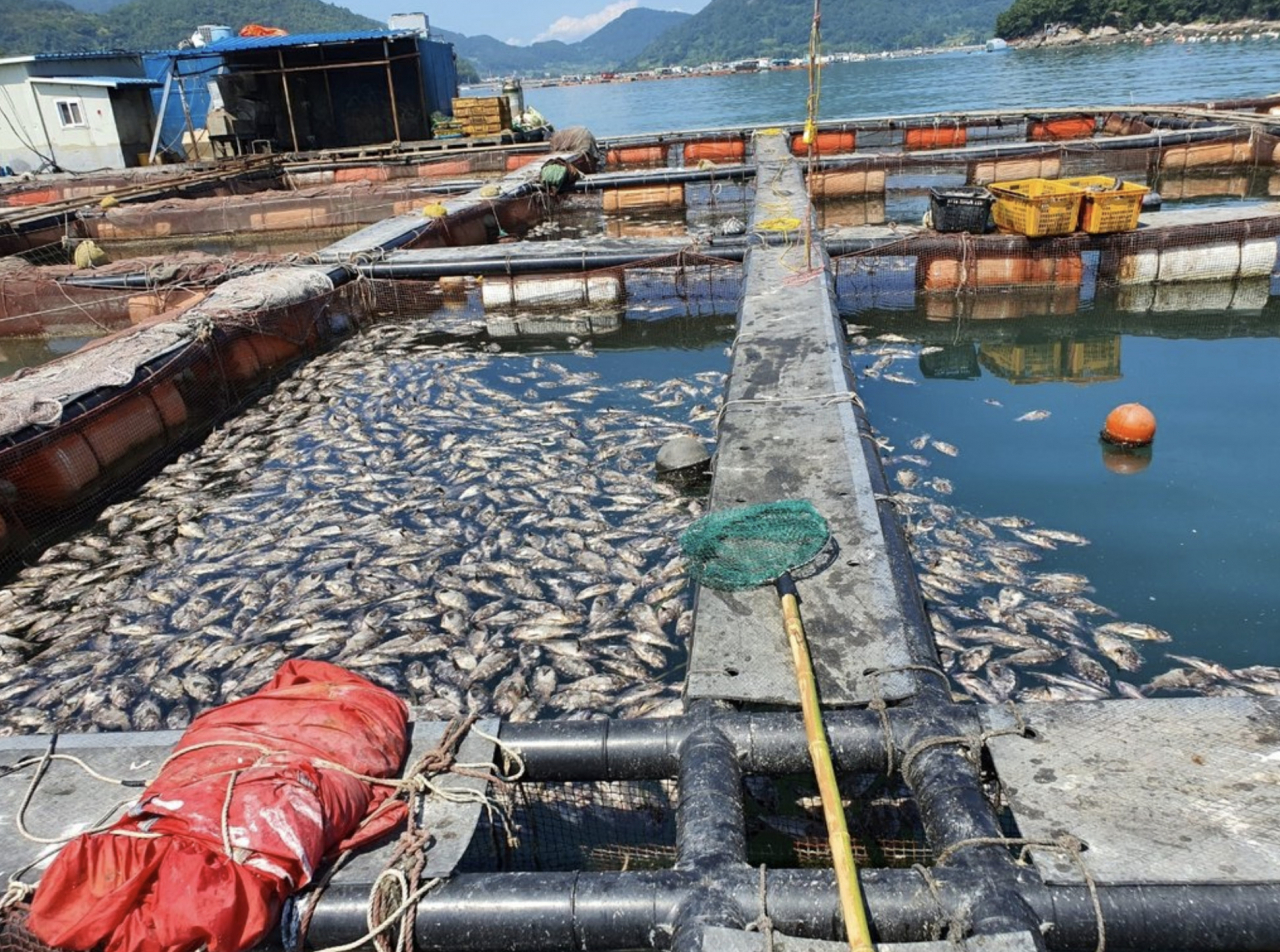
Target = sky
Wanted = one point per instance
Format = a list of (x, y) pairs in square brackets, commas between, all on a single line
[(519, 21)]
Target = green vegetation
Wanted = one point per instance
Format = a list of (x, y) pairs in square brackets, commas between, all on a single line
[(53, 26), (27, 27), (1028, 17), (727, 30)]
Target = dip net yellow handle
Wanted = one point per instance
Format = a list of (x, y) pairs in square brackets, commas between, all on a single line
[(852, 905)]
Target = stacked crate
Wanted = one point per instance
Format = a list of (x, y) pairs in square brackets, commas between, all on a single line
[(487, 116)]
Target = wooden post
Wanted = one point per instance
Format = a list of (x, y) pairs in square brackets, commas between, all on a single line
[(288, 102), (391, 88)]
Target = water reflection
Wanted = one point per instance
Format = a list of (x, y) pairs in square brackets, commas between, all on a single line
[(1188, 544), (15, 354), (1124, 460)]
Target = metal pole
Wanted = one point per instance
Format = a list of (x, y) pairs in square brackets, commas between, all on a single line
[(391, 88), (53, 159), (186, 115), (288, 102), (164, 104)]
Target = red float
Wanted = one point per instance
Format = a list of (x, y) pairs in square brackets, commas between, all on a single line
[(1130, 424)]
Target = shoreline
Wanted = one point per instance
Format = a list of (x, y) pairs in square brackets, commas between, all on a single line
[(1234, 31)]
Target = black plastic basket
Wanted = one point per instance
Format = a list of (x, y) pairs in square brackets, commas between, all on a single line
[(964, 208)]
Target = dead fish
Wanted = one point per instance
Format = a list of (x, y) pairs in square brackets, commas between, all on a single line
[(1211, 668), (1033, 416), (1080, 689), (946, 449), (1088, 668), (974, 658), (1137, 631), (1059, 535), (906, 478), (1032, 657), (1060, 583), (977, 687), (1118, 650)]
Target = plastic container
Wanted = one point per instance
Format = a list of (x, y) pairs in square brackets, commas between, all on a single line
[(1108, 204), (964, 208), (1036, 207)]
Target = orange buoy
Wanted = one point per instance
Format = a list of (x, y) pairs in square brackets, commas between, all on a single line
[(1130, 424)]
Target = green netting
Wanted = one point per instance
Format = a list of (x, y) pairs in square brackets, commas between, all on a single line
[(751, 545)]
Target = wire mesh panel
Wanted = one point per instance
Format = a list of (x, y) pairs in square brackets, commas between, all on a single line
[(624, 825)]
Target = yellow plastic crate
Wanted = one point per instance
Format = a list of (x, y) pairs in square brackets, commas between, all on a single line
[(1109, 204), (1035, 207)]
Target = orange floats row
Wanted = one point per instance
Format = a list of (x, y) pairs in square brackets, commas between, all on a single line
[(935, 137), (637, 155), (58, 471), (840, 183), (826, 143), (715, 150), (1058, 130), (953, 274), (1199, 154), (642, 196)]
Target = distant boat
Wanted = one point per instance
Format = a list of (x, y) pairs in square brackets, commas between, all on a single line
[(996, 45)]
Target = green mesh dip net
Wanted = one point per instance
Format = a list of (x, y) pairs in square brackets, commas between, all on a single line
[(750, 545)]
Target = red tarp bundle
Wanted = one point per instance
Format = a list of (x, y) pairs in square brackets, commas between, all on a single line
[(291, 806), (257, 29)]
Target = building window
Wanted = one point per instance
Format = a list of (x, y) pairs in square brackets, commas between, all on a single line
[(69, 112)]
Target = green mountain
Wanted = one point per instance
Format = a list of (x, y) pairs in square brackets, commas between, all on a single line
[(728, 30), (1027, 17), (618, 42), (27, 26), (160, 24), (95, 6)]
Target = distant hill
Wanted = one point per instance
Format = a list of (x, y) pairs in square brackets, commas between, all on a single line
[(39, 26), (160, 24), (608, 48), (27, 27), (95, 6), (1027, 17), (728, 30)]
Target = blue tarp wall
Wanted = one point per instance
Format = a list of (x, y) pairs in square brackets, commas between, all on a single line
[(439, 75), (197, 73), (439, 79)]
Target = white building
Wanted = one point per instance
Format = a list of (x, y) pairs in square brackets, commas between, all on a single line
[(74, 111)]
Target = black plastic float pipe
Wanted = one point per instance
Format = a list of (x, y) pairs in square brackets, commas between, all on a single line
[(765, 743), (721, 173), (711, 840), (597, 912)]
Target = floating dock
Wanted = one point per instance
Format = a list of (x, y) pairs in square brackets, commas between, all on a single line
[(1128, 824)]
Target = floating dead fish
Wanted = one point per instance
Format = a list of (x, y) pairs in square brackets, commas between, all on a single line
[(1121, 653), (1033, 416), (1136, 631)]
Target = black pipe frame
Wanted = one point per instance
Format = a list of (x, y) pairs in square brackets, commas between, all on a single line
[(980, 889)]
